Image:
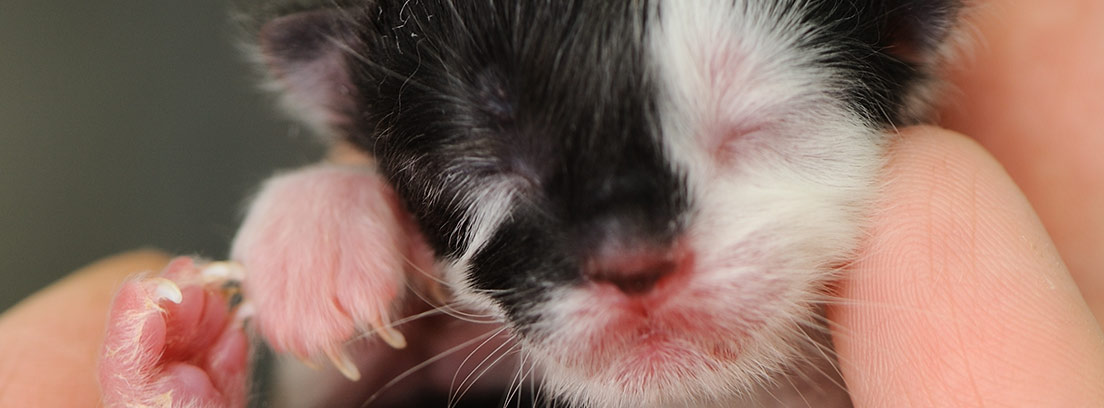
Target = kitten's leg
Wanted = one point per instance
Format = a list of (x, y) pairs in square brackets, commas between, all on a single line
[(174, 341), (326, 249)]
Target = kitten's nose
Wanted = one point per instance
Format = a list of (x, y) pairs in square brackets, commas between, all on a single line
[(634, 271)]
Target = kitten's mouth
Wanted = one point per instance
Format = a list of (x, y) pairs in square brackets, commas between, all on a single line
[(662, 340), (690, 326)]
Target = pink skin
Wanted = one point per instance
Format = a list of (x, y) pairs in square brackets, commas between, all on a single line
[(164, 350), (326, 251), (317, 273)]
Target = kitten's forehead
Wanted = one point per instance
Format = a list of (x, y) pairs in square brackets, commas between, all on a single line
[(568, 70), (555, 101)]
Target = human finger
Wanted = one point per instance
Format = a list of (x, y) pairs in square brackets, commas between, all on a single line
[(1029, 92), (50, 341), (960, 298)]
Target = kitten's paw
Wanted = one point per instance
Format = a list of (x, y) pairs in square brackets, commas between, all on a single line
[(326, 251), (173, 341)]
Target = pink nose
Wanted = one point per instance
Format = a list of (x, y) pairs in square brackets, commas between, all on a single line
[(634, 272)]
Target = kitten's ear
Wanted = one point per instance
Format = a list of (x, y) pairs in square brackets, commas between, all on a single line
[(916, 31), (306, 57)]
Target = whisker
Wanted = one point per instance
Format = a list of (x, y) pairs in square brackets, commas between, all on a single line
[(429, 361), (408, 319), (798, 391), (767, 389), (829, 326), (819, 348), (536, 389), (452, 384), (510, 351), (432, 276), (456, 313), (408, 79), (453, 398), (518, 379), (522, 375)]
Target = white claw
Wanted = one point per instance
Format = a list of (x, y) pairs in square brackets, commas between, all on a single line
[(390, 336), (344, 364), (311, 364), (222, 271), (167, 289)]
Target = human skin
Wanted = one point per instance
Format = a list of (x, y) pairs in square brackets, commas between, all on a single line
[(959, 298), (1030, 91), (49, 342)]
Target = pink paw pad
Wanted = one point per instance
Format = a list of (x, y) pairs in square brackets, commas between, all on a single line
[(325, 249), (173, 341)]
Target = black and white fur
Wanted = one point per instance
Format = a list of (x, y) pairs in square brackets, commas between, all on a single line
[(534, 141)]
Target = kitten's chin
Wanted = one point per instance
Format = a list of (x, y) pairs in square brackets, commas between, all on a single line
[(693, 341)]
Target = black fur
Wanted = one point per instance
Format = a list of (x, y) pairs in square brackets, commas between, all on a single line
[(884, 47), (557, 99), (554, 99)]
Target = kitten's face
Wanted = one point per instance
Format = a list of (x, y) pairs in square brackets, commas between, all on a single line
[(651, 193)]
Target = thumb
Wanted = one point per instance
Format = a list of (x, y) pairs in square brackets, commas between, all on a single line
[(960, 298), (49, 342)]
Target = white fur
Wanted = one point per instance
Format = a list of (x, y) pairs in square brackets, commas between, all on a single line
[(490, 205), (768, 218)]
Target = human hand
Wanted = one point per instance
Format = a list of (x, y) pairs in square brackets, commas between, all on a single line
[(50, 342)]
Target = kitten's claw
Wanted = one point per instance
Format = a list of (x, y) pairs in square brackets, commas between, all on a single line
[(223, 271), (166, 289), (344, 363), (323, 270), (166, 346), (389, 335)]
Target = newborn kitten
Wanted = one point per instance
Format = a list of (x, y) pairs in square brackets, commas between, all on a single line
[(649, 196)]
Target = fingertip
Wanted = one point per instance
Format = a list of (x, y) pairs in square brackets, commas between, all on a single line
[(53, 337), (959, 297)]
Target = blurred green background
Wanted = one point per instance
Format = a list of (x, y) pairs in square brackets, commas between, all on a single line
[(126, 124)]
